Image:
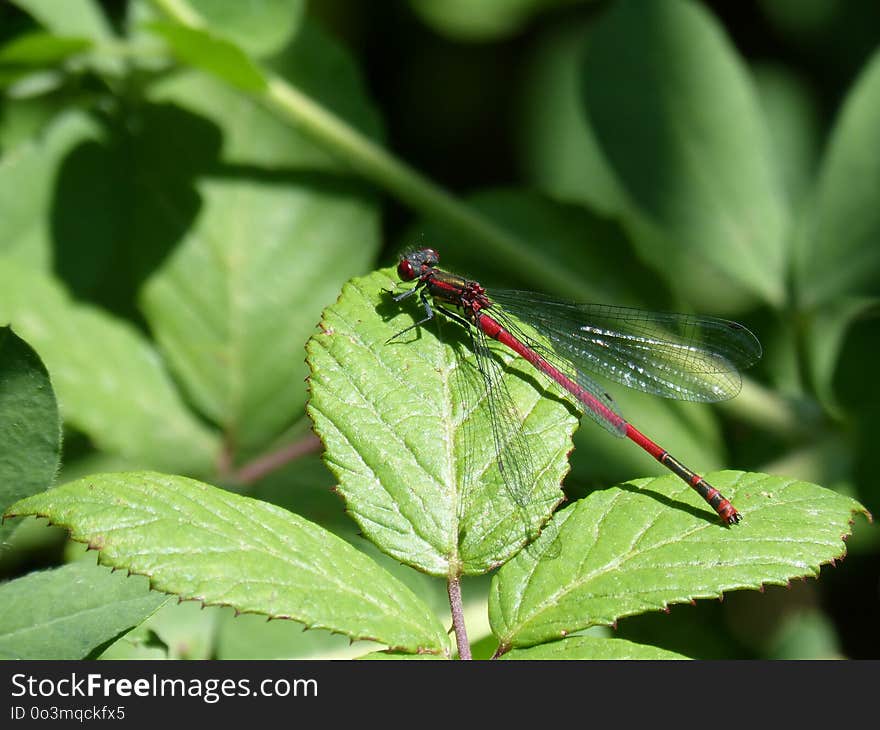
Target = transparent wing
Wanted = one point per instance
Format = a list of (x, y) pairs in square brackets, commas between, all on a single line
[(681, 356), (510, 446), (517, 456)]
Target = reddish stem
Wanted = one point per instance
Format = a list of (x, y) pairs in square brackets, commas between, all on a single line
[(453, 586), (274, 460)]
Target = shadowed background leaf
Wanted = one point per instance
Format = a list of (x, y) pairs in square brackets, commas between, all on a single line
[(30, 428), (123, 399), (679, 122), (68, 612)]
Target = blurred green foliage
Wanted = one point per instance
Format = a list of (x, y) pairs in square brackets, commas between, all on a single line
[(168, 238)]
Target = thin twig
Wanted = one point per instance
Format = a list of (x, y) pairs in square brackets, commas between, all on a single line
[(453, 586), (274, 460)]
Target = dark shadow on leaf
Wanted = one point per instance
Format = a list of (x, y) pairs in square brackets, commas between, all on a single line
[(121, 204), (387, 308), (675, 504)]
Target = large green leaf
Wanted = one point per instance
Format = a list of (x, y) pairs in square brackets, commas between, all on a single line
[(67, 613), (109, 380), (254, 136), (71, 18), (479, 21), (838, 253), (679, 122), (234, 305), (81, 19), (792, 116), (323, 69), (274, 239), (652, 542), (210, 52), (206, 544), (412, 449), (824, 336), (30, 429), (592, 647), (39, 49), (558, 146), (260, 27), (28, 177), (858, 392)]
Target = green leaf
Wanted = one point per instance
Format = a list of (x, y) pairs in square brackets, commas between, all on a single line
[(26, 220), (559, 147), (119, 395), (235, 332), (206, 544), (30, 429), (414, 456), (792, 116), (66, 613), (393, 655), (858, 392), (207, 51), (139, 643), (569, 235), (234, 305), (22, 121), (320, 67), (824, 337), (678, 120), (78, 19), (252, 637), (183, 630), (479, 21), (838, 253), (252, 135), (652, 542), (806, 633), (260, 27), (592, 647), (41, 49), (81, 18)]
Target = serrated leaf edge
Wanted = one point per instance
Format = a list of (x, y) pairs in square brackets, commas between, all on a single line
[(507, 643), (156, 585)]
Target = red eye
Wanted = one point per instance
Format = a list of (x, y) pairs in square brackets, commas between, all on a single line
[(405, 270)]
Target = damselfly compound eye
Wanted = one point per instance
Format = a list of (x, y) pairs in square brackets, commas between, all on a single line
[(405, 270)]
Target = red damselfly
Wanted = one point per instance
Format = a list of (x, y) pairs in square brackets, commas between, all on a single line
[(679, 356)]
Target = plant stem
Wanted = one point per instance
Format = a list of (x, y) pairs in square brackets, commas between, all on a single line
[(266, 464), (453, 587), (373, 162), (181, 12)]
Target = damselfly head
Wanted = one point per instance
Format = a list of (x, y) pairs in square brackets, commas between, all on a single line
[(413, 264)]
